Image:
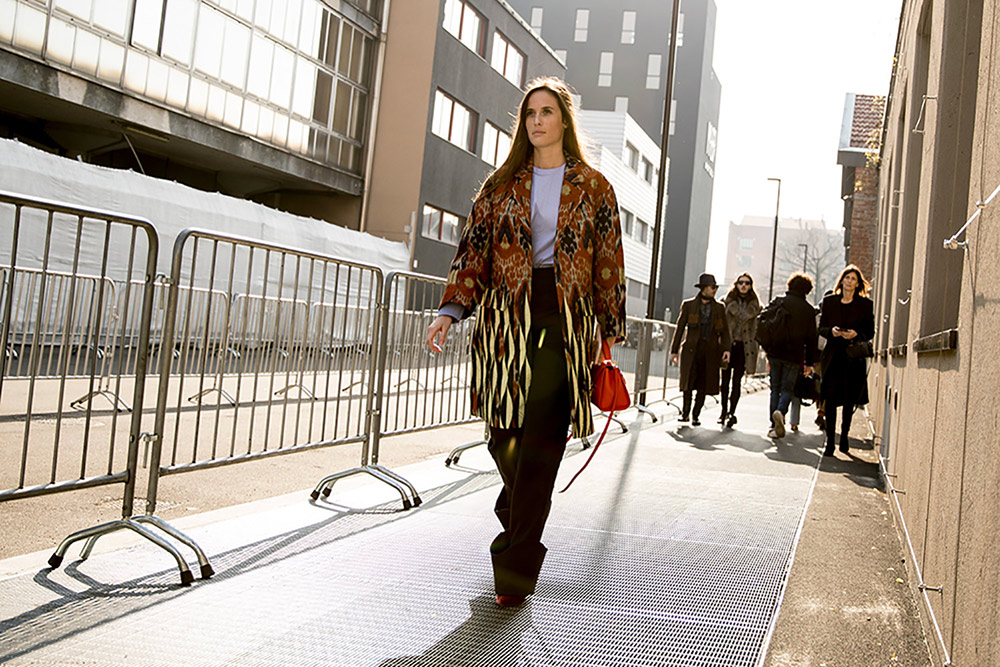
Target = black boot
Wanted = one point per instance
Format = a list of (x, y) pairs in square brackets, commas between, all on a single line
[(686, 409), (831, 435), (699, 403), (845, 428)]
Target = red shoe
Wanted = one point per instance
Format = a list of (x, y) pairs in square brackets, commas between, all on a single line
[(510, 600)]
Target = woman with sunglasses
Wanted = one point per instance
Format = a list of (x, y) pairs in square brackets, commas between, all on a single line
[(742, 309)]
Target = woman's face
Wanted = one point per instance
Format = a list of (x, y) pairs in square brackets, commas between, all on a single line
[(849, 282), (543, 120), (743, 284)]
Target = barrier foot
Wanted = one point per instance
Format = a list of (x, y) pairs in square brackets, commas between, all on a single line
[(457, 452), (92, 534), (646, 411), (616, 420), (203, 563), (325, 486), (402, 480), (117, 403), (225, 394), (302, 390)]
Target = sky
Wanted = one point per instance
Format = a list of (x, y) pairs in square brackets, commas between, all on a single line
[(785, 67)]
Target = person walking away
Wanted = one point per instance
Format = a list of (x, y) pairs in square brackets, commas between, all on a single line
[(847, 317), (541, 257), (790, 345), (706, 343), (742, 309)]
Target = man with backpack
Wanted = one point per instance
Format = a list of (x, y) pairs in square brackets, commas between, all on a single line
[(786, 329)]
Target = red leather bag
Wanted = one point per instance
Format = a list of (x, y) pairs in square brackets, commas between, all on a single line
[(608, 392)]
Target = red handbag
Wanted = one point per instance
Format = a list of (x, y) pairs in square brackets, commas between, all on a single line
[(608, 392)]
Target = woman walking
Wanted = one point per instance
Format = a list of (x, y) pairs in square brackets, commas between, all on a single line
[(847, 319), (541, 257), (742, 308)]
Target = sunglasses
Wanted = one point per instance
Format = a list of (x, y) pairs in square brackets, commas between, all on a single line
[(743, 282)]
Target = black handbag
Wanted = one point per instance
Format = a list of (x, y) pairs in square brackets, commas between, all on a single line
[(806, 387), (860, 349)]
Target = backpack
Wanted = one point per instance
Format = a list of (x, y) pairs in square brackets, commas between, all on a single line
[(773, 325)]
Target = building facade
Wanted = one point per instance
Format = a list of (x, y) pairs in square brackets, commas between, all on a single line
[(454, 75), (616, 58), (933, 382), (803, 245), (858, 155), (264, 101), (628, 158)]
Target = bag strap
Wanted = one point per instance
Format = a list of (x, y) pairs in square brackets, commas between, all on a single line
[(603, 433)]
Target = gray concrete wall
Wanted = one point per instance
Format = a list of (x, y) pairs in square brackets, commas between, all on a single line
[(935, 411)]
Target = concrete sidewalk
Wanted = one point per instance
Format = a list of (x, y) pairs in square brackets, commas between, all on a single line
[(674, 548)]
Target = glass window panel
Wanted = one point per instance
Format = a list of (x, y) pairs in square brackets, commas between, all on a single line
[(453, 16), (329, 32), (305, 88), (346, 36), (234, 110), (156, 80), (111, 15), (582, 22), (628, 27), (259, 81), (29, 28), (280, 135), (311, 28), (432, 222), (293, 12), (244, 8), (357, 57), (229, 5), (276, 24), (7, 10), (536, 18), (208, 51), (146, 23), (178, 30), (177, 87), (111, 61), (503, 148), (62, 36), (461, 125), (358, 109), (262, 15), (449, 227), (324, 90), (78, 8), (135, 72), (216, 103), (197, 96), (442, 115), (86, 51), (489, 152), (296, 136), (499, 52), (281, 77), (265, 123), (515, 66), (235, 53), (471, 28), (342, 108)]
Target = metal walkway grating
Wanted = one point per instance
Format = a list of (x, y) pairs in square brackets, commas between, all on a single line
[(661, 554)]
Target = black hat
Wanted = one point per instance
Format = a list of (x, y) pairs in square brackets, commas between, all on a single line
[(707, 280)]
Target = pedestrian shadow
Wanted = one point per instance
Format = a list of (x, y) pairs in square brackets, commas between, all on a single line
[(490, 636), (796, 447), (861, 472)]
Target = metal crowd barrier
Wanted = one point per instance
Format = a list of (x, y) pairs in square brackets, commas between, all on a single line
[(55, 305), (293, 320)]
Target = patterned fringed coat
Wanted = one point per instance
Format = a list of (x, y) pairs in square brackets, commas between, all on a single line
[(492, 269)]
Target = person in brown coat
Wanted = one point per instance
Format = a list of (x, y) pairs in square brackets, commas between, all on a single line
[(704, 329)]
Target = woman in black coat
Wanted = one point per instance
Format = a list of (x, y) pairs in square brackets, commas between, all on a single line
[(847, 316)]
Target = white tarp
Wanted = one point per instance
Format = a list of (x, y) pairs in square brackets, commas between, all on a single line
[(173, 207)]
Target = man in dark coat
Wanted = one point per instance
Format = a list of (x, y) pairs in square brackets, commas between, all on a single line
[(706, 342), (796, 347)]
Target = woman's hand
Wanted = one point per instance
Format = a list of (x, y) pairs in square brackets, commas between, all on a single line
[(673, 359), (837, 333), (725, 357), (437, 332), (848, 334)]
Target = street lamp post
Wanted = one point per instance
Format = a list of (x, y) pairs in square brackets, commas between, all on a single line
[(774, 241), (805, 255)]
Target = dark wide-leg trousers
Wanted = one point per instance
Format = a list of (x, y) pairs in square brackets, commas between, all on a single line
[(528, 457)]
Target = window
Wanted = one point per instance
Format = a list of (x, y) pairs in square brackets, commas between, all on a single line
[(561, 55), (452, 121), (744, 261), (627, 220), (607, 65), (654, 65), (465, 24), (711, 141), (637, 289), (628, 27), (680, 30), (647, 170), (440, 225), (643, 232), (582, 22), (621, 104), (632, 156), (746, 244), (673, 116), (496, 144), (536, 19), (507, 60)]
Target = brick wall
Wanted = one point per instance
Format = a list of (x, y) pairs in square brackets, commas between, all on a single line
[(863, 220)]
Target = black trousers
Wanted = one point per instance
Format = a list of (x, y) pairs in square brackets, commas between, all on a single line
[(528, 458), (700, 370), (734, 372), (845, 426)]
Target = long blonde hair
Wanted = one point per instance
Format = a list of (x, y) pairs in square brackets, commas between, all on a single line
[(521, 147)]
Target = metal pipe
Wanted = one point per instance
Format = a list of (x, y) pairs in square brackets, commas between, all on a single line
[(774, 240)]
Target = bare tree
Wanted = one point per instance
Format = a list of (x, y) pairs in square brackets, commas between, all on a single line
[(817, 250)]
